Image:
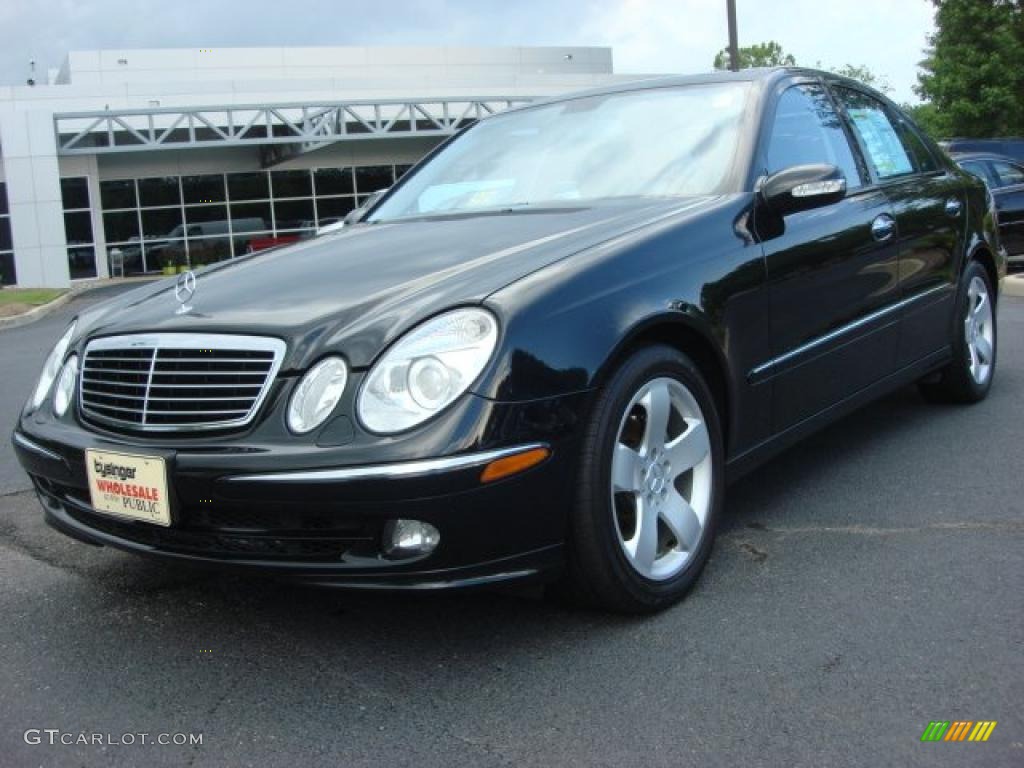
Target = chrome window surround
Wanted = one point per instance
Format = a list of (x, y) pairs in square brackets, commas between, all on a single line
[(157, 341)]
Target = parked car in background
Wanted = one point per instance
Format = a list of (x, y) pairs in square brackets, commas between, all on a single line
[(1008, 147), (1005, 180), (541, 354)]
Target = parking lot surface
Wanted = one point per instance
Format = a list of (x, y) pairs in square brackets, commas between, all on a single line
[(865, 583)]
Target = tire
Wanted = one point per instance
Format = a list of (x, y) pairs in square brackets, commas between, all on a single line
[(617, 560), (968, 377)]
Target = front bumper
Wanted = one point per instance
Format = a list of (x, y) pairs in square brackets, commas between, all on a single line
[(294, 516)]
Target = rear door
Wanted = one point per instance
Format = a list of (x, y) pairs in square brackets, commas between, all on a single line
[(832, 271), (929, 203)]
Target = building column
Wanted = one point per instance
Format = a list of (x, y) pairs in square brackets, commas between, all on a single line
[(33, 192)]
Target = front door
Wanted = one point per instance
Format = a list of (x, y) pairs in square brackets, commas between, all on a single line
[(832, 271)]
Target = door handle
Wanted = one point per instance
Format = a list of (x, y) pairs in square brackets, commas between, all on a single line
[(953, 207), (883, 227)]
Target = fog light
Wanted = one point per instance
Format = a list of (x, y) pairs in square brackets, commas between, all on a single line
[(408, 538)]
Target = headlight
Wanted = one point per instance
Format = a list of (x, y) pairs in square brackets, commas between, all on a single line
[(52, 367), (65, 390), (427, 370), (317, 394)]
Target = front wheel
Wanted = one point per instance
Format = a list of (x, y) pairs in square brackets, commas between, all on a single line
[(968, 378), (649, 485)]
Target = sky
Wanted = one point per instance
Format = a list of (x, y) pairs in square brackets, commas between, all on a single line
[(648, 36)]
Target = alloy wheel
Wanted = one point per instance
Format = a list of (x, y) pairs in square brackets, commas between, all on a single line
[(661, 479), (978, 330)]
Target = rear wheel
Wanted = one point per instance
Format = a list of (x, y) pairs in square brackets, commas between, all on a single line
[(650, 485), (968, 377)]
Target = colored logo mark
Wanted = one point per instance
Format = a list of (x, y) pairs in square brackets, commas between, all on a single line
[(958, 730)]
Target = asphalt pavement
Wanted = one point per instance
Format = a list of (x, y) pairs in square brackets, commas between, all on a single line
[(864, 583)]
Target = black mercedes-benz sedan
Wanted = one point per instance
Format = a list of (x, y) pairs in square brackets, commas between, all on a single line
[(542, 354)]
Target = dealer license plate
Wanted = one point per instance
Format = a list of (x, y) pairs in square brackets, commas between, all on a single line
[(128, 485)]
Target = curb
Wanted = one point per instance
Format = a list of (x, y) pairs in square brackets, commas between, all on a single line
[(1013, 285), (38, 313)]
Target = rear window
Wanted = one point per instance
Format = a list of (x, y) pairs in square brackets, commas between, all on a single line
[(1009, 174)]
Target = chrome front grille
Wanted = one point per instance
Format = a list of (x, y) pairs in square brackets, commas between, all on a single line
[(162, 382)]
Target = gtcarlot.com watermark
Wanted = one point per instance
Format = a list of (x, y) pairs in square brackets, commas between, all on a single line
[(57, 737)]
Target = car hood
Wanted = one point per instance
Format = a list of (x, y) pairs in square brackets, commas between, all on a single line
[(355, 291)]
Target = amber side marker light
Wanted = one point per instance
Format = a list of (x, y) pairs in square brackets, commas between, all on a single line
[(512, 465)]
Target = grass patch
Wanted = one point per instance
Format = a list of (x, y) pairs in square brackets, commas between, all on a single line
[(18, 301), (31, 296)]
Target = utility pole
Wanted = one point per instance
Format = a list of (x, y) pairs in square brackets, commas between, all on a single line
[(734, 50)]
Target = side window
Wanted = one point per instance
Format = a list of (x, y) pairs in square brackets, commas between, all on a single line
[(877, 135), (1009, 174), (807, 130), (923, 159)]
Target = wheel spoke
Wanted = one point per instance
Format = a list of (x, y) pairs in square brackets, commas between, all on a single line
[(645, 542), (689, 449), (657, 403), (974, 360), (681, 520), (983, 349), (625, 469), (980, 310)]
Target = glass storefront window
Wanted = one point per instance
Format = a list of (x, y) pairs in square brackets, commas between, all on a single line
[(78, 228), (371, 178), (159, 191), (119, 193), (203, 189), (75, 193), (334, 181), (248, 186), (207, 213), (251, 216), (121, 226), (78, 233), (198, 219), (330, 209), (6, 242), (291, 184), (161, 222), (82, 262), (8, 274), (294, 214)]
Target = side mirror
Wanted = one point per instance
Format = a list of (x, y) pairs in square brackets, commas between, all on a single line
[(354, 217), (802, 188)]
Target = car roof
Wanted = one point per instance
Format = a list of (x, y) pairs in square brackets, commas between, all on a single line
[(764, 75), (960, 156)]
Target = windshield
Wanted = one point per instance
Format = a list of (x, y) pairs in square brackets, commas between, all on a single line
[(655, 142)]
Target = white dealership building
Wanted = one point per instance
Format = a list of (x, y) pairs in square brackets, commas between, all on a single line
[(140, 161)]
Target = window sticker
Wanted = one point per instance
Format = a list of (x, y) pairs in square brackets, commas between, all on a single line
[(881, 142)]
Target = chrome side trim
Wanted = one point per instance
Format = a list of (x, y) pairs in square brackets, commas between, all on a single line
[(763, 369), (31, 445), (386, 471)]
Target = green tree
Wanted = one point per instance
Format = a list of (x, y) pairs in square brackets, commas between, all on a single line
[(928, 118), (973, 73), (769, 54), (861, 74)]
